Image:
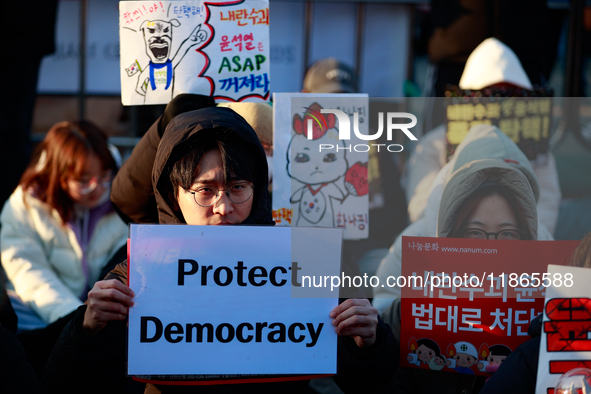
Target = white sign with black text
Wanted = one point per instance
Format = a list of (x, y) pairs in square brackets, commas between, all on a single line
[(218, 300)]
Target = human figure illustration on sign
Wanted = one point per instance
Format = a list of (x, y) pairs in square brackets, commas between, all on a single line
[(425, 353), (319, 171), (492, 357), (463, 356), (156, 80)]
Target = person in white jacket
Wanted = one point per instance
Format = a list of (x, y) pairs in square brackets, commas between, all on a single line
[(59, 228), (491, 63), (481, 142)]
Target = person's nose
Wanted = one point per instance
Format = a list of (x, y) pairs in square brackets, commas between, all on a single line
[(223, 206)]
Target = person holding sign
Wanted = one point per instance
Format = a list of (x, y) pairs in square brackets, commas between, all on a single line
[(484, 198), (491, 65), (209, 169), (482, 142)]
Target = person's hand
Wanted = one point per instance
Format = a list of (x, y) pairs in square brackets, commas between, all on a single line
[(358, 319), (108, 300)]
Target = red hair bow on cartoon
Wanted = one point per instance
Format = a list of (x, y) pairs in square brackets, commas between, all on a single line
[(321, 123)]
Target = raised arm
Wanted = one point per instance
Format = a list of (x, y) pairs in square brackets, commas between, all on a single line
[(196, 37)]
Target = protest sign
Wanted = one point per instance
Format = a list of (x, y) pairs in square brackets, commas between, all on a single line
[(565, 343), (526, 120), (467, 303), (320, 181), (218, 49), (217, 300)]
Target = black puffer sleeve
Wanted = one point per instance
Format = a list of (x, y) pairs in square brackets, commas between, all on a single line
[(365, 370), (132, 192), (89, 364), (518, 373)]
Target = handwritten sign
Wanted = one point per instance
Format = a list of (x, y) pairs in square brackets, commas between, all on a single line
[(466, 303), (320, 181), (214, 49), (224, 301), (566, 342), (526, 120)]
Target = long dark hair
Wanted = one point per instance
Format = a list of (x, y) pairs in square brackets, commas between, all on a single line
[(63, 154), (476, 198)]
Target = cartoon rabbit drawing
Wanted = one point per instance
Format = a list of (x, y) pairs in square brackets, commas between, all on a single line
[(319, 171)]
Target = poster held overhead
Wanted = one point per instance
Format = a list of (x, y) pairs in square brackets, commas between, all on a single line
[(216, 49)]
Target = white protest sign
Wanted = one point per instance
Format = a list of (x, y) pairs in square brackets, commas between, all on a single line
[(217, 300), (214, 49), (566, 330), (320, 182)]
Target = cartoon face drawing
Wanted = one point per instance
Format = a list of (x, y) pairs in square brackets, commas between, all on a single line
[(312, 167), (437, 363), (464, 360), (318, 171), (463, 355), (495, 360), (492, 357), (423, 351), (158, 39), (155, 81), (425, 354), (438, 360)]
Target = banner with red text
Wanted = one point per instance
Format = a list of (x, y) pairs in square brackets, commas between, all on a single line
[(468, 303)]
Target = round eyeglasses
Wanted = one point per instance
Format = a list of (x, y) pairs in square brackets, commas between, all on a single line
[(207, 196), (87, 186), (507, 234)]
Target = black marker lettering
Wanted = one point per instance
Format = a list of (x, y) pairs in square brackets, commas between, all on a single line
[(183, 273), (314, 334), (144, 329)]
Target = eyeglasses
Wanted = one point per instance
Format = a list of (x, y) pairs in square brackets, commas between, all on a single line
[(507, 234), (207, 196), (87, 186)]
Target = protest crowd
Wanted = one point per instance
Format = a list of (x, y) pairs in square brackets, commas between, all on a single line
[(67, 290)]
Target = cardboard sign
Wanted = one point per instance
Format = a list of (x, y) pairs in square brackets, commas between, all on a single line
[(566, 338), (216, 49), (322, 181), (466, 303), (218, 301), (526, 120)]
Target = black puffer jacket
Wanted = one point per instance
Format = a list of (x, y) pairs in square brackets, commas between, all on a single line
[(98, 364), (519, 372)]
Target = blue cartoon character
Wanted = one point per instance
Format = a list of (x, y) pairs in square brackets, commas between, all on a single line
[(463, 355), (156, 80), (325, 175)]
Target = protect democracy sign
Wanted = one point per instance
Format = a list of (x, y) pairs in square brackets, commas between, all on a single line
[(218, 301)]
